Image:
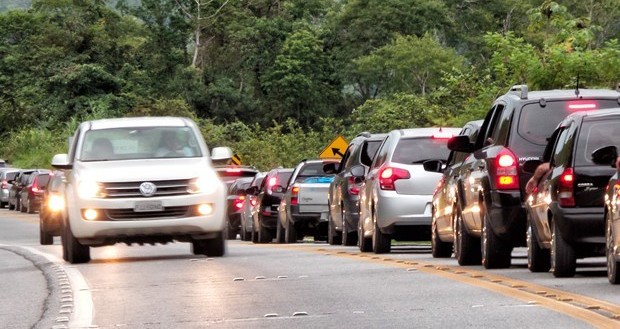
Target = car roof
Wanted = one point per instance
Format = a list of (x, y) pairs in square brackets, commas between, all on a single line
[(596, 114), (139, 122), (567, 94), (427, 132)]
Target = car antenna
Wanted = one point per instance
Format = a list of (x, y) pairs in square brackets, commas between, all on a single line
[(577, 87)]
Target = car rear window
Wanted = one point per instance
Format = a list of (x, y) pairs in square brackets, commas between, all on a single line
[(11, 175), (43, 179), (594, 135), (418, 150), (284, 177), (312, 169)]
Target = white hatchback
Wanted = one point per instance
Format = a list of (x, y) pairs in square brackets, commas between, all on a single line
[(141, 180)]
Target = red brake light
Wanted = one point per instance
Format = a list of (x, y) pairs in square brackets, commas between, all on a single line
[(566, 197), (582, 105), (239, 202), (34, 189), (442, 135), (506, 173), (388, 175), (253, 202), (294, 194), (354, 189), (4, 183), (233, 170)]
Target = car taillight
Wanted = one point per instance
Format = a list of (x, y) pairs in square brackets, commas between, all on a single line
[(442, 135), (566, 196), (506, 173), (272, 183), (354, 189), (294, 195), (239, 202), (582, 105), (4, 183), (253, 202), (34, 189), (389, 175)]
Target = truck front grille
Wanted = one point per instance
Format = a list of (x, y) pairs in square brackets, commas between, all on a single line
[(132, 189)]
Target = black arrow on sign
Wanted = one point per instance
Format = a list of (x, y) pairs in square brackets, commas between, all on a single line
[(336, 151)]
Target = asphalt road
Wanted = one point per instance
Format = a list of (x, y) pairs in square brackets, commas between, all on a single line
[(305, 285)]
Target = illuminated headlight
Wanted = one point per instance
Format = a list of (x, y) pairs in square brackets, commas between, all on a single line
[(90, 189), (90, 214), (205, 209), (203, 184), (56, 203)]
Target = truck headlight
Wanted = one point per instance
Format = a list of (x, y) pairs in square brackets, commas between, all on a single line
[(203, 184), (90, 189), (56, 203)]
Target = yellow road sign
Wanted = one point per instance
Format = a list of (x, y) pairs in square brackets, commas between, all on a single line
[(335, 149), (236, 160)]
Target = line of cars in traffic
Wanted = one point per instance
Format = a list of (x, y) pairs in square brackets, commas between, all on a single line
[(467, 193)]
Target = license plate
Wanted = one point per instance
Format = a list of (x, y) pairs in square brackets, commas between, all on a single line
[(145, 206)]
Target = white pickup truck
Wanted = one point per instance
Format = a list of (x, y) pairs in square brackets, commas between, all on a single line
[(141, 180), (304, 206)]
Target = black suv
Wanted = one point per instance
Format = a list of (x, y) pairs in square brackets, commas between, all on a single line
[(447, 221), (268, 200), (565, 212), (343, 199), (492, 188)]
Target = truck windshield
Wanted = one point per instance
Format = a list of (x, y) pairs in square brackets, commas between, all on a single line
[(139, 143)]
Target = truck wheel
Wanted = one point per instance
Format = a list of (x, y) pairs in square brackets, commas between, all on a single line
[(466, 247), (76, 253), (381, 243), (440, 249), (254, 235), (612, 263), (495, 252), (290, 232), (563, 259), (214, 247), (538, 259), (333, 237), (44, 237)]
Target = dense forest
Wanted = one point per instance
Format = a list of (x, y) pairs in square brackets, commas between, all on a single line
[(278, 79)]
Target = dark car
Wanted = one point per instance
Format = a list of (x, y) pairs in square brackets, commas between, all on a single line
[(250, 206), (52, 204), (229, 173), (343, 199), (268, 199), (493, 184), (7, 175), (607, 156), (32, 193), (235, 200), (447, 222), (566, 211), (17, 184)]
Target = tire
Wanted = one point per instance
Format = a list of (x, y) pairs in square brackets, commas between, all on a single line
[(440, 249), (563, 259), (381, 243), (11, 206), (18, 204), (21, 207), (3, 204), (245, 235), (215, 247), (254, 236), (30, 208), (495, 252), (467, 249), (290, 232), (264, 234), (612, 263), (333, 238), (538, 259), (279, 232), (75, 252), (364, 243), (348, 238), (44, 237)]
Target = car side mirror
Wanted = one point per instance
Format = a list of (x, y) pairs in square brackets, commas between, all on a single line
[(433, 166), (279, 189), (330, 168), (605, 155), (461, 143), (61, 161), (221, 153), (530, 166), (358, 172)]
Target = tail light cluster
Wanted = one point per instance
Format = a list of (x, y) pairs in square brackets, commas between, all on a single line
[(35, 186), (253, 201), (4, 184), (354, 187), (294, 195), (506, 173), (389, 175), (239, 202), (566, 195), (272, 183)]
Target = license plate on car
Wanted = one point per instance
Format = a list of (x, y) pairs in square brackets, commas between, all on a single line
[(145, 206)]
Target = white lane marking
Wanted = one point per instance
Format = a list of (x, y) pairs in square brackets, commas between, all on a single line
[(83, 308)]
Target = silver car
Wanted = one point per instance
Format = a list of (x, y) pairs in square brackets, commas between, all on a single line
[(396, 196), (6, 175)]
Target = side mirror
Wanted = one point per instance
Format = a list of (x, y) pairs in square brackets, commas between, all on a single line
[(530, 166), (330, 168), (461, 143), (605, 155), (61, 161), (433, 166), (358, 172), (221, 153), (279, 189)]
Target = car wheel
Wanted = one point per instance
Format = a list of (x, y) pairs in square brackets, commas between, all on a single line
[(214, 247), (264, 234), (348, 238), (254, 236), (74, 251), (467, 249), (290, 231), (44, 237), (563, 259), (18, 204), (538, 259), (11, 206), (30, 208), (439, 249), (279, 232), (495, 252), (333, 237), (381, 243), (2, 204), (612, 263)]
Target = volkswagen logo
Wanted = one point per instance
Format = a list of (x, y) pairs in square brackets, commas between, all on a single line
[(148, 189)]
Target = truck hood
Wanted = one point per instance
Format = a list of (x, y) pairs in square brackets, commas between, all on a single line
[(144, 170)]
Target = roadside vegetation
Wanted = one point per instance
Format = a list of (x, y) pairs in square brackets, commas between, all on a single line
[(277, 80)]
